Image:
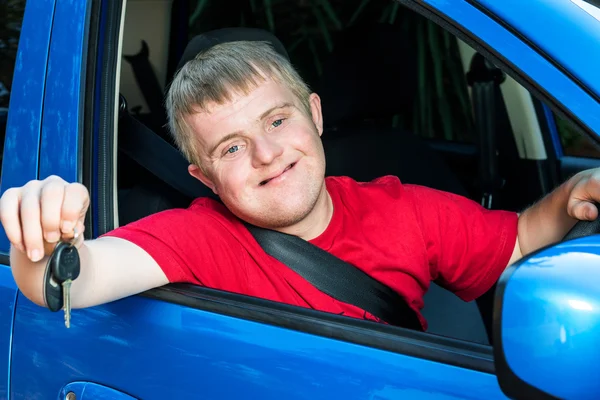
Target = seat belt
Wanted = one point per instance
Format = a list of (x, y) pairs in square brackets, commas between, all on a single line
[(323, 270), (158, 157), (337, 278), (485, 80)]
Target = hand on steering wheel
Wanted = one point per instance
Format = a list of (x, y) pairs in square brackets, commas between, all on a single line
[(584, 228)]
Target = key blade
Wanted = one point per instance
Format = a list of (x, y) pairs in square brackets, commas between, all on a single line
[(67, 302)]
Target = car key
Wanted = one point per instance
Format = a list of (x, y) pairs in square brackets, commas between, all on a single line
[(63, 267)]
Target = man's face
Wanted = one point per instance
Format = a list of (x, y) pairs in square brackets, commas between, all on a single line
[(262, 154)]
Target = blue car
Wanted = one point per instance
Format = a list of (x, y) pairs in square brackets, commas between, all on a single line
[(503, 102)]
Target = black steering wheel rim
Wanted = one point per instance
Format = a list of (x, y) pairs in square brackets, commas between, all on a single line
[(582, 229)]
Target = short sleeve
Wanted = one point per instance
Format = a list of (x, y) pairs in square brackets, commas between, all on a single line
[(468, 246), (189, 245)]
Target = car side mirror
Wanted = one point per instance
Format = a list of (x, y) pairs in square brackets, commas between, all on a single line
[(547, 323)]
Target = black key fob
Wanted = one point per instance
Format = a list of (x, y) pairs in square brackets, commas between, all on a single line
[(63, 264)]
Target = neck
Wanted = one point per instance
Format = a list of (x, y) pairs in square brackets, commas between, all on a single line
[(316, 221)]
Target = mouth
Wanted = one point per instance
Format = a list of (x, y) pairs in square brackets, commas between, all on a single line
[(263, 183)]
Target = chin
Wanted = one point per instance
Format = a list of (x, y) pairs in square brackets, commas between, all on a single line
[(279, 211)]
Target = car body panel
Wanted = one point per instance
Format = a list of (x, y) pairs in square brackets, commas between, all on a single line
[(22, 142), (154, 349), (532, 64), (8, 294), (63, 100), (21, 149)]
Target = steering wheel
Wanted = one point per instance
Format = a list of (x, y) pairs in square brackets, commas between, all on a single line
[(584, 228)]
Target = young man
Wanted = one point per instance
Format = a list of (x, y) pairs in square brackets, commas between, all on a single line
[(251, 130)]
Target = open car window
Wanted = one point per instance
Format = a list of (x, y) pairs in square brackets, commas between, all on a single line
[(423, 93)]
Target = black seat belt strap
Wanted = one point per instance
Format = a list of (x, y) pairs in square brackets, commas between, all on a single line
[(337, 278), (157, 156), (485, 80)]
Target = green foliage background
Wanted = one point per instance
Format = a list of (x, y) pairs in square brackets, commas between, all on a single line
[(306, 27)]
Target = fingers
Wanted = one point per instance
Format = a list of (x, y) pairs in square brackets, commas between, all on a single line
[(583, 199), (74, 207), (30, 221), (36, 215), (51, 200), (9, 215)]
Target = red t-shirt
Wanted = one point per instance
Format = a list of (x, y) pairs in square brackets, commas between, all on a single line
[(403, 235)]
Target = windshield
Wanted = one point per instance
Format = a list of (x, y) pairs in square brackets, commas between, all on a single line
[(588, 7)]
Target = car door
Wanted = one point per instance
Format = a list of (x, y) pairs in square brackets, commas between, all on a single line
[(20, 132), (190, 342)]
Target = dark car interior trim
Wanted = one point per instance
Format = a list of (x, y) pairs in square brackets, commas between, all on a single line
[(85, 169), (107, 60)]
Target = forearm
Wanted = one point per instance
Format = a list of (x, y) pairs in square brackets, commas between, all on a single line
[(548, 221), (110, 269), (28, 275)]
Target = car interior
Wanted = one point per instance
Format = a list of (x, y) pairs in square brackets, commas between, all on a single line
[(371, 88)]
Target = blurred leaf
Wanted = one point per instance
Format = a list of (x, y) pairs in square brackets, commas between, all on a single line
[(394, 12), (421, 70), (358, 11), (296, 43), (429, 133), (384, 15), (269, 14), (253, 6), (313, 50), (416, 121), (459, 85), (200, 5), (331, 14), (438, 62), (323, 27)]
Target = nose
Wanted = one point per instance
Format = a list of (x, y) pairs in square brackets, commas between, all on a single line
[(265, 150)]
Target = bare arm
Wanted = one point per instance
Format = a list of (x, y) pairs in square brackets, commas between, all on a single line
[(550, 219), (111, 269)]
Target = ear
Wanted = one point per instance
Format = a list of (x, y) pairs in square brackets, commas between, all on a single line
[(315, 109), (197, 173)]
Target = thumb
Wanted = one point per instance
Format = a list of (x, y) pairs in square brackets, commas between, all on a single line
[(582, 210)]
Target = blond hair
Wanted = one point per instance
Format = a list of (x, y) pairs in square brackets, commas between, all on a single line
[(215, 74)]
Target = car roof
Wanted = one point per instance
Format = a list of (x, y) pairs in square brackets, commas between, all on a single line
[(566, 31)]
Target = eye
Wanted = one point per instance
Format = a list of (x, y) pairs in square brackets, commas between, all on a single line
[(232, 149), (277, 122)]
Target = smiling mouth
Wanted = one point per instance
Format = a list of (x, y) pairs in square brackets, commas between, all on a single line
[(263, 183)]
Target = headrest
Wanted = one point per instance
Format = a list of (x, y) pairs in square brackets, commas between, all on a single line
[(208, 39), (371, 74)]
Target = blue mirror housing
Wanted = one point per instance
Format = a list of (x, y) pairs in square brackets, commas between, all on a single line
[(547, 323)]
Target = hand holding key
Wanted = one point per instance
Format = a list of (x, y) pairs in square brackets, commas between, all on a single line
[(38, 219), (39, 214)]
